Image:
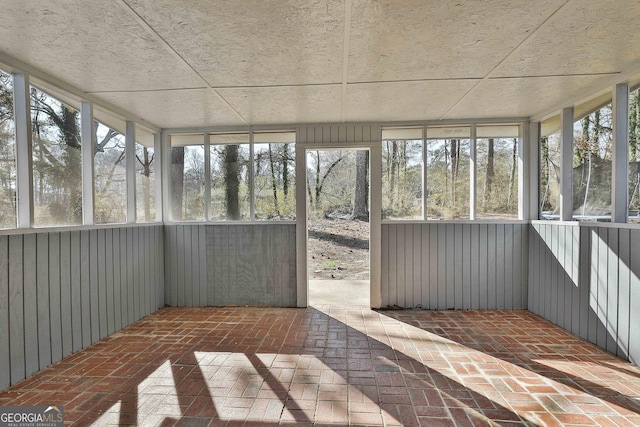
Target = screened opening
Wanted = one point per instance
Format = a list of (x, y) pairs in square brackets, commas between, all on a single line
[(274, 175), (402, 173), (634, 156), (497, 172), (447, 169), (550, 169), (187, 177), (592, 165), (7, 153), (57, 167), (230, 160), (109, 175), (145, 177)]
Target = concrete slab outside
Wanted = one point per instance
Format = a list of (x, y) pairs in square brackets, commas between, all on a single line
[(339, 292)]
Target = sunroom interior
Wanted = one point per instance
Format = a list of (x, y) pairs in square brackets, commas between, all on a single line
[(116, 117)]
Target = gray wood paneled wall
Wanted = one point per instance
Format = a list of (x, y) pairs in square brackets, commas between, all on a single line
[(465, 266), (230, 264), (338, 134), (62, 291), (586, 279)]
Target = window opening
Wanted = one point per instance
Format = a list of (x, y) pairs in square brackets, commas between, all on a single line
[(57, 167)]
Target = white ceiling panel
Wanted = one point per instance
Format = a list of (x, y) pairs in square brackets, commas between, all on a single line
[(321, 61), (403, 100), (286, 105), (253, 42), (94, 45), (524, 97), (178, 108), (437, 39), (584, 37)]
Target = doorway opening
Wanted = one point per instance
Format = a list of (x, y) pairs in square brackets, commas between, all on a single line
[(338, 227)]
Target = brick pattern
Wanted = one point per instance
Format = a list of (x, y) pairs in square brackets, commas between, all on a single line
[(334, 365)]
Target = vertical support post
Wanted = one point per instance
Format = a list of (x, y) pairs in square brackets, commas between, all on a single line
[(130, 165), (425, 176), (207, 175), (620, 172), (158, 155), (524, 173), (533, 148), (88, 151), (167, 215), (252, 204), (375, 223), (566, 164), (24, 159), (473, 167), (301, 226)]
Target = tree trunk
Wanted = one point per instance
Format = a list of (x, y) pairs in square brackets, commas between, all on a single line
[(274, 185), (360, 203), (512, 176), (146, 170), (177, 181), (454, 172), (72, 176), (393, 172), (490, 174), (586, 137), (285, 170), (633, 126), (597, 128), (231, 168), (544, 173), (318, 186)]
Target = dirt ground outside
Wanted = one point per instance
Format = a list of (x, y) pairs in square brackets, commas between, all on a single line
[(338, 249)]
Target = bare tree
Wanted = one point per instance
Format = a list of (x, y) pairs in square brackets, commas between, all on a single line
[(513, 174), (231, 173), (361, 200), (274, 185), (177, 181), (489, 174), (314, 195), (146, 162)]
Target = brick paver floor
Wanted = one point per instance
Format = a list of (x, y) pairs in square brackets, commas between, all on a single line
[(339, 366)]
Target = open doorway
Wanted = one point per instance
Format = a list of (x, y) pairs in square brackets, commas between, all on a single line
[(338, 227)]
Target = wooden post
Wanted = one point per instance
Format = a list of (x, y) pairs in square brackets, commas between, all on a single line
[(130, 169), (566, 164), (620, 169), (24, 160)]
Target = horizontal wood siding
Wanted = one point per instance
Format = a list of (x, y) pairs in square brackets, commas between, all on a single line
[(585, 278), (454, 266), (56, 287), (230, 264)]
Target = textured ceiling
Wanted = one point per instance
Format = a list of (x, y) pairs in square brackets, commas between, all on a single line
[(194, 63)]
